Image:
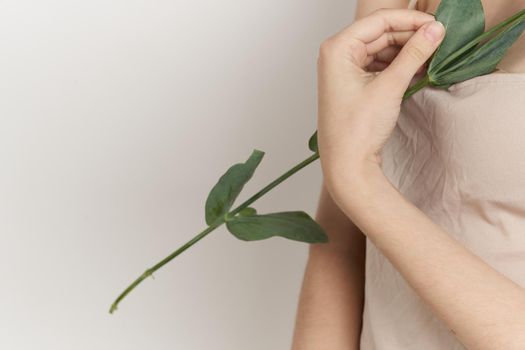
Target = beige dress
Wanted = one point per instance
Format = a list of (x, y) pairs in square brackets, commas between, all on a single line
[(459, 156)]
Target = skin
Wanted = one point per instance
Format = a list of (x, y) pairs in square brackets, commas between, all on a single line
[(361, 79)]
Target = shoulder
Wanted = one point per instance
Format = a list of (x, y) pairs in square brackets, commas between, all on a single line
[(365, 7)]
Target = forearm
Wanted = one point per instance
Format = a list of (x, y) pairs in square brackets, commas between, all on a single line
[(329, 313), (484, 308)]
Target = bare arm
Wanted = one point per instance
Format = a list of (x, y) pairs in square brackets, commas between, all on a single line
[(329, 314), (483, 307), (331, 299), (357, 113)]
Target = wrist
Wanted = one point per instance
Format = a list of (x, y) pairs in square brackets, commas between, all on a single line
[(356, 184)]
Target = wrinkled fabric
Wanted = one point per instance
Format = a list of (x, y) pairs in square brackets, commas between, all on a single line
[(459, 156)]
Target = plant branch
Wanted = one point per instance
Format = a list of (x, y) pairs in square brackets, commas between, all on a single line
[(416, 87), (149, 272), (274, 183)]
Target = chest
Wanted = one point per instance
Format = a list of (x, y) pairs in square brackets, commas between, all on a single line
[(466, 142), (495, 12)]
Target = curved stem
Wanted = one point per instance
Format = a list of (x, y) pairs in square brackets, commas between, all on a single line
[(149, 272)]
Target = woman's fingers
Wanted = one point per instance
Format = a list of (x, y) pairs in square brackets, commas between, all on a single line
[(388, 39), (372, 41), (398, 75), (371, 34), (386, 55), (376, 66), (372, 27), (380, 60), (379, 66)]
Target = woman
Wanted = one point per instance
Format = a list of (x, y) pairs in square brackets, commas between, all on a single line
[(426, 199)]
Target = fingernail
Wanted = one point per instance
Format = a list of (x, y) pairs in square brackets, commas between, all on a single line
[(435, 31)]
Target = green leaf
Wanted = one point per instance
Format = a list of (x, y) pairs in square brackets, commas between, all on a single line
[(294, 225), (484, 59), (464, 20), (477, 41), (229, 186), (312, 143)]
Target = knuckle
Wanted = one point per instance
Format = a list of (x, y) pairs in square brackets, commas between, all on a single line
[(391, 39), (337, 46), (354, 46), (326, 47), (382, 14), (329, 44), (329, 47), (380, 11), (416, 53)]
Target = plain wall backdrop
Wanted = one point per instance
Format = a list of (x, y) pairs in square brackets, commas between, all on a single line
[(117, 118)]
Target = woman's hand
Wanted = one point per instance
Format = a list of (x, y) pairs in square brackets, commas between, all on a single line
[(358, 108), (357, 113)]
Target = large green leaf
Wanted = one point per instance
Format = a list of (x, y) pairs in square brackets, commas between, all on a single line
[(464, 20), (484, 59), (229, 186), (294, 225)]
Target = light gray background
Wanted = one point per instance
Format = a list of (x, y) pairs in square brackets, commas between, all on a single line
[(117, 118)]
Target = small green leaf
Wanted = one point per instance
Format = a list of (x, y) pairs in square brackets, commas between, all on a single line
[(312, 143), (229, 186), (294, 225), (484, 59), (464, 20), (248, 212)]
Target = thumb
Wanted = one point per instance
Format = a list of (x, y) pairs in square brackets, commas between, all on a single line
[(413, 55)]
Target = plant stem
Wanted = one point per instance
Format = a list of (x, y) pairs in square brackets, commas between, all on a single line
[(266, 189), (149, 272), (274, 183), (416, 87)]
